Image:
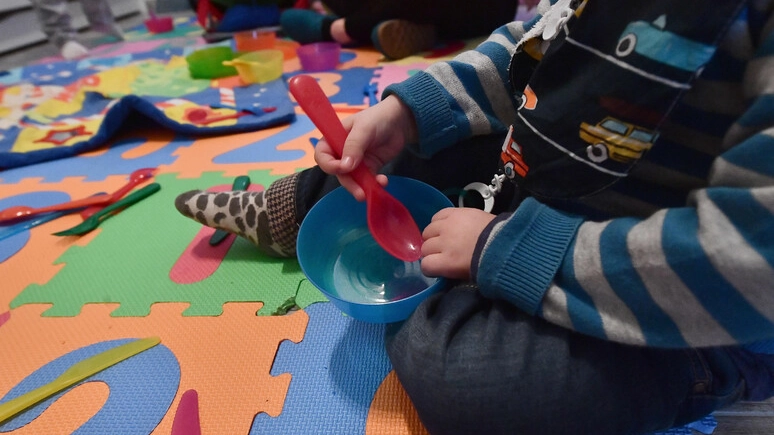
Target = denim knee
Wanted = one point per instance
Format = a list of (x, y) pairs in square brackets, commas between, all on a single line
[(474, 365)]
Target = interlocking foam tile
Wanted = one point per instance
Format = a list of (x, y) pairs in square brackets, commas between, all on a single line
[(200, 259), (226, 359), (705, 426), (135, 250), (336, 370), (394, 73), (344, 86), (187, 415), (392, 412), (271, 149), (13, 244), (136, 404), (268, 150), (28, 257), (362, 57), (138, 149)]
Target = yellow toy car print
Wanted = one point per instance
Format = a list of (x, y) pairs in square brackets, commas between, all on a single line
[(616, 140)]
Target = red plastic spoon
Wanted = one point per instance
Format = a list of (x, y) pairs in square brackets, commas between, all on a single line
[(23, 211), (201, 116), (136, 178), (389, 221)]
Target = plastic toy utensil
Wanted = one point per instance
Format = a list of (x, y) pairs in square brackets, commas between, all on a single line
[(241, 182), (137, 177), (76, 373), (23, 211), (186, 420), (97, 218), (389, 220), (202, 116), (6, 232)]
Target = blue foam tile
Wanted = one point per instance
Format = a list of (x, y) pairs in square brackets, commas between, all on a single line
[(336, 370), (142, 388)]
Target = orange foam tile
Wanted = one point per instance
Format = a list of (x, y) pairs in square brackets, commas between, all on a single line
[(392, 412), (34, 264), (227, 359), (191, 161)]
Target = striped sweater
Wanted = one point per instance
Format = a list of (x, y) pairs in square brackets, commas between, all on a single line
[(678, 253)]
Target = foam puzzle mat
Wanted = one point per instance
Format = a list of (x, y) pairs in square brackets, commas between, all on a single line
[(232, 358)]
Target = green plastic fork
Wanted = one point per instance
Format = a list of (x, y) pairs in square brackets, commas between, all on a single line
[(95, 219)]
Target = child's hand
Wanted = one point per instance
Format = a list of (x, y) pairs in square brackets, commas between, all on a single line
[(450, 240), (376, 136)]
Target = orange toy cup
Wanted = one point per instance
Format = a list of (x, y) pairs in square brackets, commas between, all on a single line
[(253, 40)]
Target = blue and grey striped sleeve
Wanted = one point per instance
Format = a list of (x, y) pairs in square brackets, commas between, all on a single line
[(468, 95), (698, 275)]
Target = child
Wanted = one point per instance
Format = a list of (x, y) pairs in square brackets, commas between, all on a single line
[(55, 21), (628, 289), (397, 28)]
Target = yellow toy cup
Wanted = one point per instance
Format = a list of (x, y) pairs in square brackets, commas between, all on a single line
[(258, 66)]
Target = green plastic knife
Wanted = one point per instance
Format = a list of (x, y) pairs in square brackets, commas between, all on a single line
[(95, 219), (240, 183)]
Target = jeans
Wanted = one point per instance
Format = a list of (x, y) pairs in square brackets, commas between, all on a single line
[(472, 365)]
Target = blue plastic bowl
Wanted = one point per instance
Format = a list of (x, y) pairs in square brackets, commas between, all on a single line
[(340, 257)]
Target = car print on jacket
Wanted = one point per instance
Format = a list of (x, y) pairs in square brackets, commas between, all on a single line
[(513, 162), (616, 140), (652, 41)]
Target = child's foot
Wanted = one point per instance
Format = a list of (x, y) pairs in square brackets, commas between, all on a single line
[(73, 50), (265, 218), (305, 26), (115, 31), (397, 39)]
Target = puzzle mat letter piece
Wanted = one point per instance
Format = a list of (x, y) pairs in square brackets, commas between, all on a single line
[(226, 359), (336, 370), (275, 150), (141, 389), (144, 242)]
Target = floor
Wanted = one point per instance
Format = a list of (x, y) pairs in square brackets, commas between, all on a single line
[(740, 419), (88, 38)]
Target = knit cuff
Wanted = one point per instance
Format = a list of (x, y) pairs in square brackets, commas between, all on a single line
[(520, 260), (435, 122), (481, 244)]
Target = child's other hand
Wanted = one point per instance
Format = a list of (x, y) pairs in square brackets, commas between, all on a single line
[(376, 136), (450, 239)]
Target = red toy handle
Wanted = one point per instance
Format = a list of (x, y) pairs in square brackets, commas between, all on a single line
[(318, 108)]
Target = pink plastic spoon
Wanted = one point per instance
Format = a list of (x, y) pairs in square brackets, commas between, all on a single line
[(389, 221), (23, 211)]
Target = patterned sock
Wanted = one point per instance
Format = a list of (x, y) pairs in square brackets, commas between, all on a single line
[(397, 39), (266, 218)]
